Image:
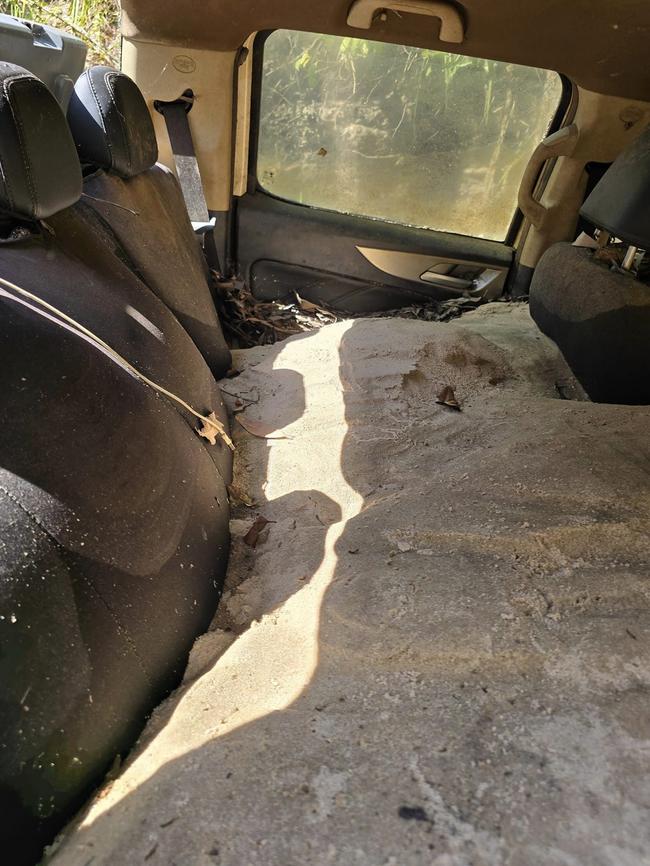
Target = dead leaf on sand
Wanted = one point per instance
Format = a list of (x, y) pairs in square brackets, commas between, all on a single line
[(447, 398), (253, 535)]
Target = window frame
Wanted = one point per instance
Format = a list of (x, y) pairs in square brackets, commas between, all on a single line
[(560, 118)]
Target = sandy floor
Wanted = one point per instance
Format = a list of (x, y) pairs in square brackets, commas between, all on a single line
[(438, 652)]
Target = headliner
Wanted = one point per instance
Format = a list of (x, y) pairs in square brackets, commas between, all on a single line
[(602, 45)]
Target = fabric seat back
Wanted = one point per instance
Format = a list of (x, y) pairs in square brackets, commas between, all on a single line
[(142, 203), (113, 512), (600, 320)]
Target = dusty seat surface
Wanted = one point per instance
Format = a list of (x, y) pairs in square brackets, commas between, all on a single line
[(438, 651)]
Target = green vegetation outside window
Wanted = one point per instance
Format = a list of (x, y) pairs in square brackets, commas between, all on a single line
[(412, 136)]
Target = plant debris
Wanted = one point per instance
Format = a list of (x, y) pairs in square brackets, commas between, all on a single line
[(249, 322), (252, 537), (413, 813), (239, 497), (447, 398), (212, 429), (614, 254), (429, 311)]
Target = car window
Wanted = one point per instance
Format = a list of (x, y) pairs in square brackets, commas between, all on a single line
[(413, 136)]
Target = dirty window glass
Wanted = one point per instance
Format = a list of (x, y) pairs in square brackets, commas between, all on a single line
[(418, 137)]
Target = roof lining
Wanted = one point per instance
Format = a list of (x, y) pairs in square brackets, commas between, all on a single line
[(600, 45)]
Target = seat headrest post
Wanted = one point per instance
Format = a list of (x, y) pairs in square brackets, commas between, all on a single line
[(40, 173), (111, 124)]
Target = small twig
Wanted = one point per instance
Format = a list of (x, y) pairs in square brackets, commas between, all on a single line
[(114, 203)]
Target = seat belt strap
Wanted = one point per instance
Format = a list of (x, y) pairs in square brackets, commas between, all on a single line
[(187, 166), (188, 172)]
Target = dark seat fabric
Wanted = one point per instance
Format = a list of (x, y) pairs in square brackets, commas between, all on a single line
[(113, 512), (39, 175), (600, 320), (107, 298), (114, 545), (143, 203)]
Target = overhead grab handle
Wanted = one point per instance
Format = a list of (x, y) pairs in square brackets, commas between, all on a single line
[(452, 29)]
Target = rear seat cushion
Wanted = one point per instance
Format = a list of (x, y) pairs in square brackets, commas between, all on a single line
[(143, 204), (599, 318), (39, 172)]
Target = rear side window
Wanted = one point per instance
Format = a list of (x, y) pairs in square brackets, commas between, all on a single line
[(413, 136)]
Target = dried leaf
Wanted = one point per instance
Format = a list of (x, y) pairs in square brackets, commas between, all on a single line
[(212, 429), (253, 535), (249, 322), (239, 497), (612, 255), (447, 398)]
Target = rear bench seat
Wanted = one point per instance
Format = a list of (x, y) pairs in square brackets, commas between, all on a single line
[(113, 512), (143, 203)]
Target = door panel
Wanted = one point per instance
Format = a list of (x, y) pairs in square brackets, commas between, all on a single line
[(284, 247)]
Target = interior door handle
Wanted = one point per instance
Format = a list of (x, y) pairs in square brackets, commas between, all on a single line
[(445, 281), (485, 279), (452, 28)]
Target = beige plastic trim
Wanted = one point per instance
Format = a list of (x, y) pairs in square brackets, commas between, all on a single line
[(242, 133), (561, 143), (413, 266), (606, 125), (452, 28), (164, 72)]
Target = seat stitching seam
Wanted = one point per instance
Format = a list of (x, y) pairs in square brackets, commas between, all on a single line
[(102, 117), (109, 78), (5, 177), (20, 130)]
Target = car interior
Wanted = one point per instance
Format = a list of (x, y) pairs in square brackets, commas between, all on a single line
[(377, 592)]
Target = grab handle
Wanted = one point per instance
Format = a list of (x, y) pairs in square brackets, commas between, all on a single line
[(452, 28), (561, 143)]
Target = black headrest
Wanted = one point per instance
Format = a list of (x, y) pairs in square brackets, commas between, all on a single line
[(111, 124), (619, 201), (40, 173)]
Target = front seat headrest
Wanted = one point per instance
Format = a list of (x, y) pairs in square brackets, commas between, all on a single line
[(111, 124), (40, 173), (619, 201)]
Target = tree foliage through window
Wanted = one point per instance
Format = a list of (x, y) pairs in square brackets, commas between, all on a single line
[(410, 135)]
